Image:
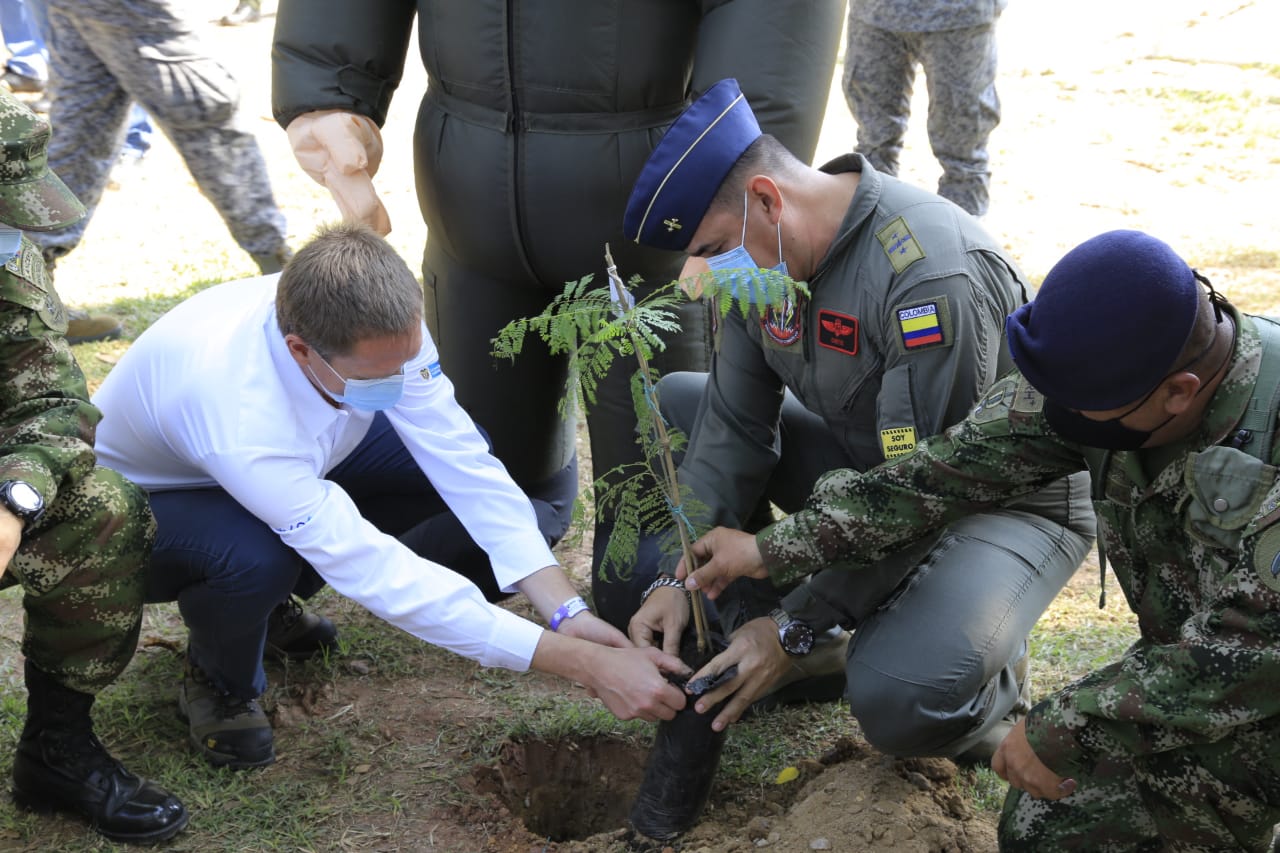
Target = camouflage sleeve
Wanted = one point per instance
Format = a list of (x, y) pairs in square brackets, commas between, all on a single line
[(46, 420), (1001, 452), (1220, 673)]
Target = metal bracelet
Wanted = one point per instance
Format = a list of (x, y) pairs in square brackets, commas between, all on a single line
[(662, 580)]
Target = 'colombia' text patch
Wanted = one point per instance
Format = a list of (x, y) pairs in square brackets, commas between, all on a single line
[(924, 325)]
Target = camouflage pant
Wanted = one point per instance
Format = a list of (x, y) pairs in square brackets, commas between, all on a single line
[(103, 56), (960, 71), (81, 570), (1211, 797)]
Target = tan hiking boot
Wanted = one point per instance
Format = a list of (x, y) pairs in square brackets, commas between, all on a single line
[(84, 328)]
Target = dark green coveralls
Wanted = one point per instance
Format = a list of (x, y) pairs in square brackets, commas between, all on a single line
[(537, 118)]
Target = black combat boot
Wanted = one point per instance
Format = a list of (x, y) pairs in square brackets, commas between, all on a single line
[(61, 766)]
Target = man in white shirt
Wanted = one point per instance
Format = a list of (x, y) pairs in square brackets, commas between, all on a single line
[(308, 436)]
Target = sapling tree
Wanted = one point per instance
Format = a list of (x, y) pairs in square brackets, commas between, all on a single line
[(596, 327)]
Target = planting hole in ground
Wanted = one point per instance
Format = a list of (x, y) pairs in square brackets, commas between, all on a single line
[(568, 789)]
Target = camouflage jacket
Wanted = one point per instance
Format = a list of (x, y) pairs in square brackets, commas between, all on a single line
[(1190, 530), (46, 420)]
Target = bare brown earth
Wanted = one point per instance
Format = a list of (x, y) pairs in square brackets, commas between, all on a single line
[(1153, 114)]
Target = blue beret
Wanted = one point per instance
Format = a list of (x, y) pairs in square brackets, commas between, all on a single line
[(1108, 322), (685, 170)]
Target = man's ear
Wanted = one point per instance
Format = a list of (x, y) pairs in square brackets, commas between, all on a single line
[(299, 349), (765, 190), (1180, 390)]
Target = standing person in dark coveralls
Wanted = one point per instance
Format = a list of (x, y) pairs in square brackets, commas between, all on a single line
[(1168, 396), (104, 54), (536, 120), (902, 333), (75, 536), (955, 42)]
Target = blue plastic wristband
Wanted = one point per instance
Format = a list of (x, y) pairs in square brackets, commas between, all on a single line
[(568, 610)]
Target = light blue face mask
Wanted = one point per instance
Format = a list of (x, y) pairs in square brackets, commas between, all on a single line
[(10, 242), (369, 395), (741, 270)]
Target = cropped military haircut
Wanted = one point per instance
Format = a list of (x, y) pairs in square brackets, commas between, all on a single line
[(346, 285), (765, 156)]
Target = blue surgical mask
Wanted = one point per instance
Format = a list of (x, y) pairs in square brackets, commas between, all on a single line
[(10, 242), (745, 272), (369, 395)]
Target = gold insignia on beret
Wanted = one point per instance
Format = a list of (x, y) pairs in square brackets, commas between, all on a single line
[(673, 224)]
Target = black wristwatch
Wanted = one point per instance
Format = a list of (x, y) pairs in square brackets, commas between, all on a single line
[(22, 499), (795, 636)]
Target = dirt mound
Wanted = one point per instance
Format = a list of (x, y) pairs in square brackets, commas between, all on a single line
[(577, 794)]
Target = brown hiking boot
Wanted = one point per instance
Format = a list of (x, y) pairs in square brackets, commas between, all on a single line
[(226, 730), (295, 634), (84, 328)]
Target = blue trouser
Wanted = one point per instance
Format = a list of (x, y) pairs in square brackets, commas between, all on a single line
[(939, 626), (228, 570), (20, 22)]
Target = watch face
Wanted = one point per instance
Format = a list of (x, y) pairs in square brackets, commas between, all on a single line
[(797, 638), (24, 497)]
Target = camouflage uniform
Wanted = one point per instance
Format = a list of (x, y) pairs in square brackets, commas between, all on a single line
[(103, 55), (956, 45), (80, 566), (1176, 745)]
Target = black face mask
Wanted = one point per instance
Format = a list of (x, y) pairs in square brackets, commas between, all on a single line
[(1108, 435), (1111, 434)]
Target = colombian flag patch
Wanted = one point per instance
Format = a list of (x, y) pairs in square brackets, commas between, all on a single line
[(921, 326)]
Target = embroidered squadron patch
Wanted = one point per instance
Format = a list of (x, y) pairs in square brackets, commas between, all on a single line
[(925, 325), (431, 370), (838, 332), (899, 244), (781, 323), (1266, 557), (897, 441)]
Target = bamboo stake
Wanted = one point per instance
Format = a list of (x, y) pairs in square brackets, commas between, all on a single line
[(671, 482)]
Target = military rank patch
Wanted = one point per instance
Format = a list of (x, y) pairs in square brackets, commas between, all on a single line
[(899, 244), (1027, 399), (431, 370), (838, 332), (781, 323), (924, 325), (897, 441), (1266, 557)]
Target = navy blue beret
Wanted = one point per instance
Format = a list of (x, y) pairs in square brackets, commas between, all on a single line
[(685, 170), (1108, 322)]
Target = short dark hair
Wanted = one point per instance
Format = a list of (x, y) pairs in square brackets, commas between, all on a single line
[(766, 155), (346, 285)]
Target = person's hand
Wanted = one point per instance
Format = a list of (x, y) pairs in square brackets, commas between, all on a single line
[(341, 150), (1017, 763), (590, 627), (665, 612), (630, 683), (10, 538), (689, 273), (722, 554), (761, 662)]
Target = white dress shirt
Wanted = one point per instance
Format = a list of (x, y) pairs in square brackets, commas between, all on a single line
[(210, 396)]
